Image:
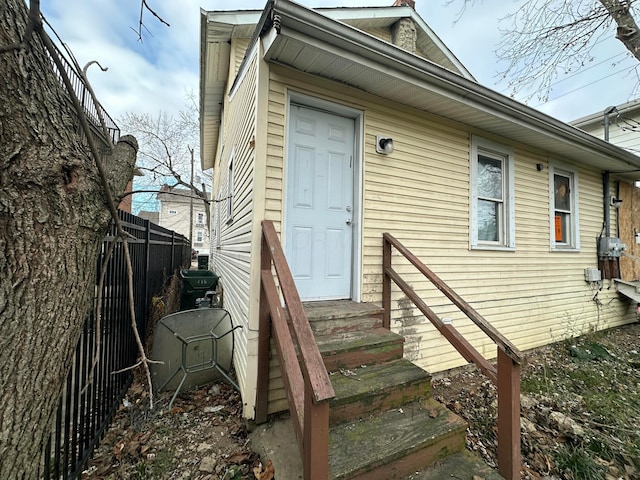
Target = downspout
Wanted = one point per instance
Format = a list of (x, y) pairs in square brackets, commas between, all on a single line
[(607, 203), (605, 176)]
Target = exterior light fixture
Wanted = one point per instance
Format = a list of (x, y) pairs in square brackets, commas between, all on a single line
[(384, 145)]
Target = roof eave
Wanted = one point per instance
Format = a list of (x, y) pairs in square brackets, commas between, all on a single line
[(304, 24)]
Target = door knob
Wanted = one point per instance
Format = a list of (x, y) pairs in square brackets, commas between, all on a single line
[(349, 221)]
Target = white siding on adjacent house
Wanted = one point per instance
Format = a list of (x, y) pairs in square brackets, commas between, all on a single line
[(623, 128), (180, 207)]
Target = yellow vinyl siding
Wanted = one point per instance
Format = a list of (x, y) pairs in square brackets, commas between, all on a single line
[(421, 194), (380, 32)]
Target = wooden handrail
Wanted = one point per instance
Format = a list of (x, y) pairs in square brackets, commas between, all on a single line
[(507, 374), (304, 375), (467, 309)]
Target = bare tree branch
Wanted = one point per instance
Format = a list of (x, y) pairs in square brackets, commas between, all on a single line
[(547, 38), (544, 39), (165, 147), (145, 6)]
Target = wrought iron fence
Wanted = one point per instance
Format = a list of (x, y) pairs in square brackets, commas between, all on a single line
[(86, 407), (92, 110)]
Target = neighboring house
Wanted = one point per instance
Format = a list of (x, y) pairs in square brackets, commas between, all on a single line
[(153, 217), (621, 125), (184, 212), (501, 201)]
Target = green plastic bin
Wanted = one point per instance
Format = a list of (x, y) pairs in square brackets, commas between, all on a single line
[(195, 284), (203, 261)]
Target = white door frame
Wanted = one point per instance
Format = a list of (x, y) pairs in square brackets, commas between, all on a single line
[(357, 116)]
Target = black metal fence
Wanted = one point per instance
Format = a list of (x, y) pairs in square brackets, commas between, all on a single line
[(92, 110), (86, 407)]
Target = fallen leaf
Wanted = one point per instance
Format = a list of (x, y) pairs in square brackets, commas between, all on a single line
[(239, 457), (267, 474), (117, 449), (132, 448)]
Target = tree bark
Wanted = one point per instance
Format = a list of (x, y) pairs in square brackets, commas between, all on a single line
[(53, 215), (627, 31)]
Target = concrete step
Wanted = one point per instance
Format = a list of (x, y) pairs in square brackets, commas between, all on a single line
[(365, 390), (395, 443), (463, 465), (340, 316), (354, 349)]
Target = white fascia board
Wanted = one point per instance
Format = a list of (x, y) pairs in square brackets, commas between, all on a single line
[(234, 17)]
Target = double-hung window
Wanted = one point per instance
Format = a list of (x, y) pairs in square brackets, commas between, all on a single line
[(492, 195), (563, 189)]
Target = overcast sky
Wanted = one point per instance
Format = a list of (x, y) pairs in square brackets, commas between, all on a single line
[(155, 74)]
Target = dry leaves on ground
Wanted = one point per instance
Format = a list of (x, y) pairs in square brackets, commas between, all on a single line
[(203, 437), (580, 408)]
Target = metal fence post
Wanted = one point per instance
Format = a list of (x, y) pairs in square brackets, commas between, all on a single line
[(147, 256)]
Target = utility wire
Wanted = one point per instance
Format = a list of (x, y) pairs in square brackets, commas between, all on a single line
[(584, 86)]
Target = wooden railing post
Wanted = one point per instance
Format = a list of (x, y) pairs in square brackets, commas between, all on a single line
[(510, 359), (508, 417), (386, 283), (304, 375), (316, 437), (264, 346)]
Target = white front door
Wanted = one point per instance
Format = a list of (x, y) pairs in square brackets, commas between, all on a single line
[(320, 203)]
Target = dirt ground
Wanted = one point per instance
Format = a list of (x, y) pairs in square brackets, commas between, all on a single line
[(580, 409)]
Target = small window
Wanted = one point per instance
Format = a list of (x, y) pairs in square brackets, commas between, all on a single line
[(199, 236), (230, 191), (200, 218), (563, 189), (217, 225), (492, 192)]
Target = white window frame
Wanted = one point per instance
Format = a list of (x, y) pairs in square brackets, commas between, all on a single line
[(199, 236), (218, 232), (573, 243), (200, 218), (230, 189), (507, 227)]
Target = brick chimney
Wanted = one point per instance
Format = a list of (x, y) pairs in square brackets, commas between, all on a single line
[(405, 3)]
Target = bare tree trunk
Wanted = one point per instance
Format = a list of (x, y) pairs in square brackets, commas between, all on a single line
[(53, 216), (627, 31)]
